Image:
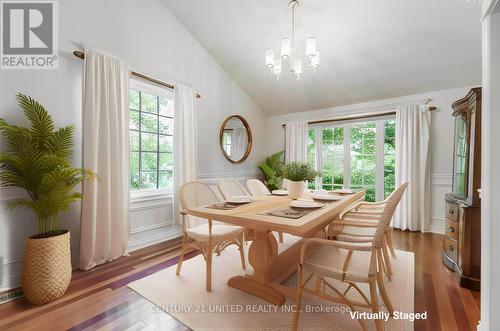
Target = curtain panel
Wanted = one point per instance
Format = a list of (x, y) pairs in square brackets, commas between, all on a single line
[(413, 123), (105, 207), (184, 141), (296, 141)]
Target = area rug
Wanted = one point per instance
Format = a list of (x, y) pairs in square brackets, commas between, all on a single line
[(226, 308)]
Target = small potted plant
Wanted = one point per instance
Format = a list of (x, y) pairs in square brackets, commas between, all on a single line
[(298, 173), (38, 160)]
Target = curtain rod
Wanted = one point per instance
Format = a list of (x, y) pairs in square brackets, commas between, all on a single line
[(81, 55), (356, 117)]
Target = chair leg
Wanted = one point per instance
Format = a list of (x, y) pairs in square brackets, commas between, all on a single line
[(387, 262), (242, 252), (374, 303), (298, 300), (181, 257), (383, 294), (389, 243), (280, 234), (208, 262)]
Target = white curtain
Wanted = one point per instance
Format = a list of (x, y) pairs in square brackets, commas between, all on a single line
[(413, 123), (296, 141), (184, 141), (239, 142), (105, 207)]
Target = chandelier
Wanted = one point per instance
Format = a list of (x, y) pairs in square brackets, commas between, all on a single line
[(288, 60)]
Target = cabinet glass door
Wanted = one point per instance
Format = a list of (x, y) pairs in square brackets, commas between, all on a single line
[(460, 175)]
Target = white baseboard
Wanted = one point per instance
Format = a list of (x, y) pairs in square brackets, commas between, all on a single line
[(437, 225)]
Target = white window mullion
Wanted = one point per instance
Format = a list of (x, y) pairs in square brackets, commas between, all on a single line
[(319, 154), (379, 147), (347, 155)]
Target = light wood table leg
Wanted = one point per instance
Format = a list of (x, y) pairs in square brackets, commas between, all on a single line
[(262, 254)]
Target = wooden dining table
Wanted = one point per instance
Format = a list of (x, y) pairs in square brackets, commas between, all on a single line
[(271, 268)]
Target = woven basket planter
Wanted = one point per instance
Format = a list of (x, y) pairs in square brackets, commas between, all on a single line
[(46, 268)]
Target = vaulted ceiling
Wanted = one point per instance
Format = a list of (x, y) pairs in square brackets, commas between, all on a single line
[(369, 49)]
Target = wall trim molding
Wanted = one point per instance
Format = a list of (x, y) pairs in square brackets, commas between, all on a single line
[(173, 231), (150, 227), (213, 178), (437, 225), (441, 180)]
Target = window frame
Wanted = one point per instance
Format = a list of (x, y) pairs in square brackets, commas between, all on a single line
[(379, 150), (159, 91)]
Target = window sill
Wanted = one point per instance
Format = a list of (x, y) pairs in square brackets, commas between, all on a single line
[(148, 199)]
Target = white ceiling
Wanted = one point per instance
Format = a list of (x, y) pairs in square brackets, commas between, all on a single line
[(369, 49)]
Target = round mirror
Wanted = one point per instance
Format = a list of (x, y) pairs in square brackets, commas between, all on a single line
[(235, 139)]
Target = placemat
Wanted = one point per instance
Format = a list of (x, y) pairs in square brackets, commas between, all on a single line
[(288, 212), (226, 205)]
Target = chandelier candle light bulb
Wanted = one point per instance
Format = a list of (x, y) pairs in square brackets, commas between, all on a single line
[(315, 60), (285, 48), (311, 47), (277, 69), (288, 59), (269, 58)]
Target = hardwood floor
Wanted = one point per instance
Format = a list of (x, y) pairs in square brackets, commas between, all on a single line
[(100, 300)]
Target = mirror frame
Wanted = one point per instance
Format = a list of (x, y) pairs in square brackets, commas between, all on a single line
[(249, 139)]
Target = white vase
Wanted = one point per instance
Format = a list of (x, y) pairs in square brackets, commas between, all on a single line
[(295, 189)]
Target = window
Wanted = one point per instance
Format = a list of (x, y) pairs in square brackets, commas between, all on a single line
[(357, 155), (151, 137), (226, 141)]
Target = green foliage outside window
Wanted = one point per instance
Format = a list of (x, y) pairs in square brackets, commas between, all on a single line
[(151, 141), (363, 157)]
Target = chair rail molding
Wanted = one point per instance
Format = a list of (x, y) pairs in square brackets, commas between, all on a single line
[(212, 178), (441, 180)]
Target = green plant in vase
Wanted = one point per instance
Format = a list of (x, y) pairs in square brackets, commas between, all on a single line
[(38, 160), (298, 174)]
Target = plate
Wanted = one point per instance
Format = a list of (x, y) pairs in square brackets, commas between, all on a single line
[(320, 191), (280, 192), (326, 197), (344, 191), (238, 199), (306, 204)]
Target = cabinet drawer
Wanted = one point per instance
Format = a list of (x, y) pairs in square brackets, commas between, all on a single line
[(452, 229), (451, 249), (451, 211)]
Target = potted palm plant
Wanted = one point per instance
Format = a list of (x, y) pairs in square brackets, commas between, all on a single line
[(298, 174), (271, 169), (38, 160)]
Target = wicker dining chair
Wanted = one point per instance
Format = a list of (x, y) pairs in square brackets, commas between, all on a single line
[(231, 188), (358, 224), (257, 188), (210, 235), (352, 263)]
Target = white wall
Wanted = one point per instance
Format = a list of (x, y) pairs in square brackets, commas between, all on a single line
[(145, 34), (441, 138), (490, 162)]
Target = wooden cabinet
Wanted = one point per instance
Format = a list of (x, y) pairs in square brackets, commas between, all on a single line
[(462, 244)]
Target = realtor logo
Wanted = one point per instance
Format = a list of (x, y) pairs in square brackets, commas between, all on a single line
[(29, 36)]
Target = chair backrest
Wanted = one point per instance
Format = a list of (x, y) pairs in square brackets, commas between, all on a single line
[(257, 188), (230, 188), (387, 214), (196, 194)]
